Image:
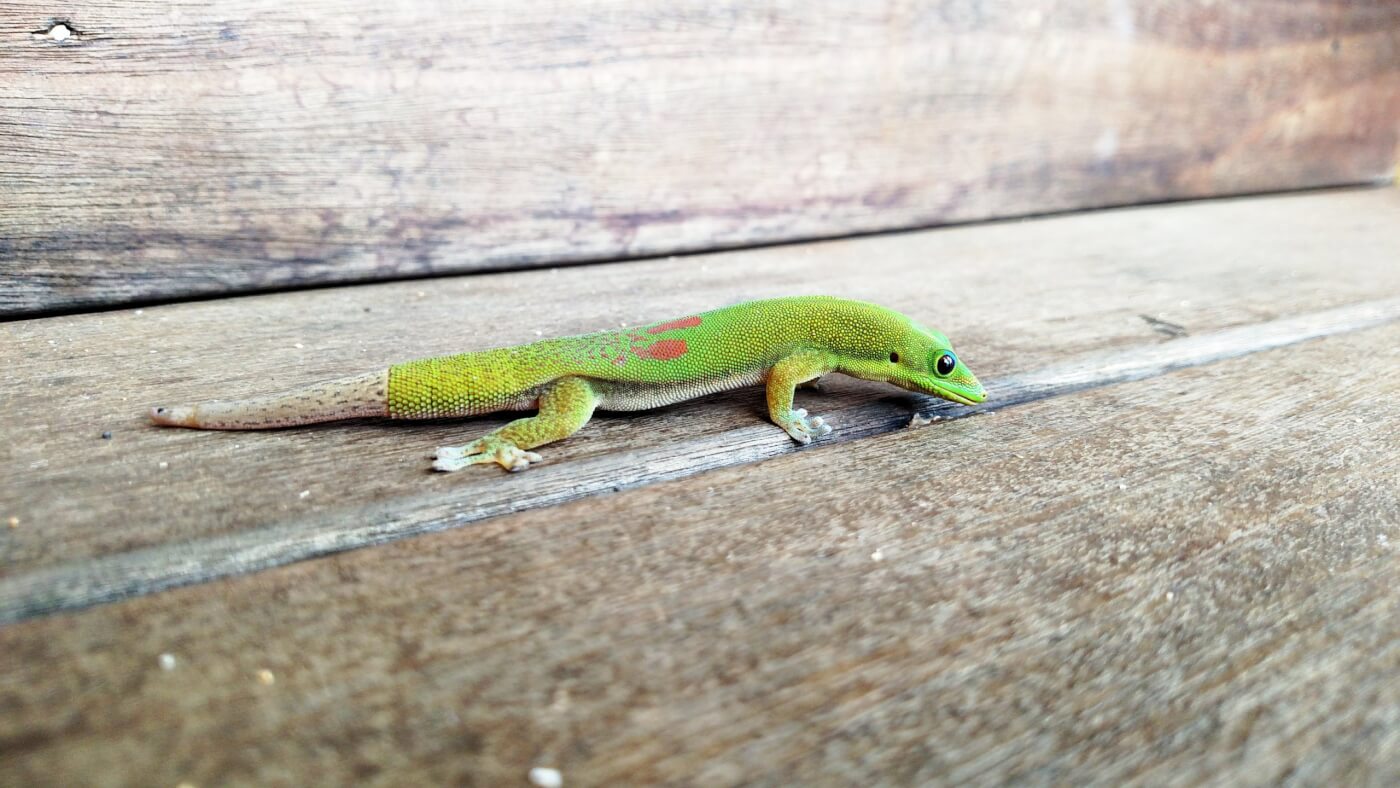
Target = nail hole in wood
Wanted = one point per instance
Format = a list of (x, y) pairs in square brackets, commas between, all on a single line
[(58, 32)]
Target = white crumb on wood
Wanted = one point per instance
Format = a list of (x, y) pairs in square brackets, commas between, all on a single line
[(167, 661), (266, 678), (546, 778), (304, 494)]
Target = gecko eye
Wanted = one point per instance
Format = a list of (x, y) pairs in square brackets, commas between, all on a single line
[(945, 364), (894, 358)]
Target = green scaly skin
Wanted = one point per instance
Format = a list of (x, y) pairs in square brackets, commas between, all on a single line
[(781, 343)]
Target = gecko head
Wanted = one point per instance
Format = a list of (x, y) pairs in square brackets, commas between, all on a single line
[(930, 366)]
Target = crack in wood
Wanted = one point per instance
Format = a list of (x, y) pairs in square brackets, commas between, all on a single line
[(1165, 326), (82, 584)]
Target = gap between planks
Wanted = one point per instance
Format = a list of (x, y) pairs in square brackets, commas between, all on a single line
[(108, 579)]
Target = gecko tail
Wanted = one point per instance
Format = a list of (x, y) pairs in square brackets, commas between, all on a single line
[(361, 396)]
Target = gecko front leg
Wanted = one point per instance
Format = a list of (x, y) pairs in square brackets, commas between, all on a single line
[(783, 380), (565, 406)]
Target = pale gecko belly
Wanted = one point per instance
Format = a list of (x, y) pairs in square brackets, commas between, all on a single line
[(620, 395)]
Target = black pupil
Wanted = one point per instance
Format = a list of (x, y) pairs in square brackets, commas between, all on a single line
[(945, 364)]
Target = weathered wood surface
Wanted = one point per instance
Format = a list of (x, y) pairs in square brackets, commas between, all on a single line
[(147, 508), (1185, 580), (143, 571), (169, 150)]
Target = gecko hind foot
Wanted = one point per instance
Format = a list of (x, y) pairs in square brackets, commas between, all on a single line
[(804, 429), (484, 450)]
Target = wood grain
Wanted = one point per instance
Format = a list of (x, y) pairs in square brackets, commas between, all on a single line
[(165, 151), (1178, 581), (101, 580), (1016, 298)]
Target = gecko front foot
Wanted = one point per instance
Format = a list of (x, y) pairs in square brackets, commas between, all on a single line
[(803, 429), (483, 450)]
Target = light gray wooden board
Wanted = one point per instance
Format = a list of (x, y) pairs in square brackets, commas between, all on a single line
[(1186, 580), (1015, 297), (98, 580), (165, 151)]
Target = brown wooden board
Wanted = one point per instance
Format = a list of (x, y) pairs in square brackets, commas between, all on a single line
[(1037, 308), (161, 152), (1184, 580)]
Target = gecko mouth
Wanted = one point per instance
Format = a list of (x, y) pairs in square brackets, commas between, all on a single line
[(942, 388), (958, 394)]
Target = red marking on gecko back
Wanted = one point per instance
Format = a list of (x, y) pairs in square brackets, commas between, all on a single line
[(685, 322), (664, 350)]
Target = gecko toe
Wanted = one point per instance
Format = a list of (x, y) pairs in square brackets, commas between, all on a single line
[(450, 452), (483, 451), (448, 466), (804, 429), (520, 460), (799, 433)]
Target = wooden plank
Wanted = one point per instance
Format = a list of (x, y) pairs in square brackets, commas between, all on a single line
[(96, 581), (242, 145), (1184, 580), (1016, 298)]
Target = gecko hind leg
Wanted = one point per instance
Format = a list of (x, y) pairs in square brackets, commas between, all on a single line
[(565, 407)]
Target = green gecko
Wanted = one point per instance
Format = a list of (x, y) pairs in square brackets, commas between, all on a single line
[(781, 342)]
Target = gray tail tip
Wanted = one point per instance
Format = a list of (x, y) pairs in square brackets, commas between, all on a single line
[(176, 416)]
